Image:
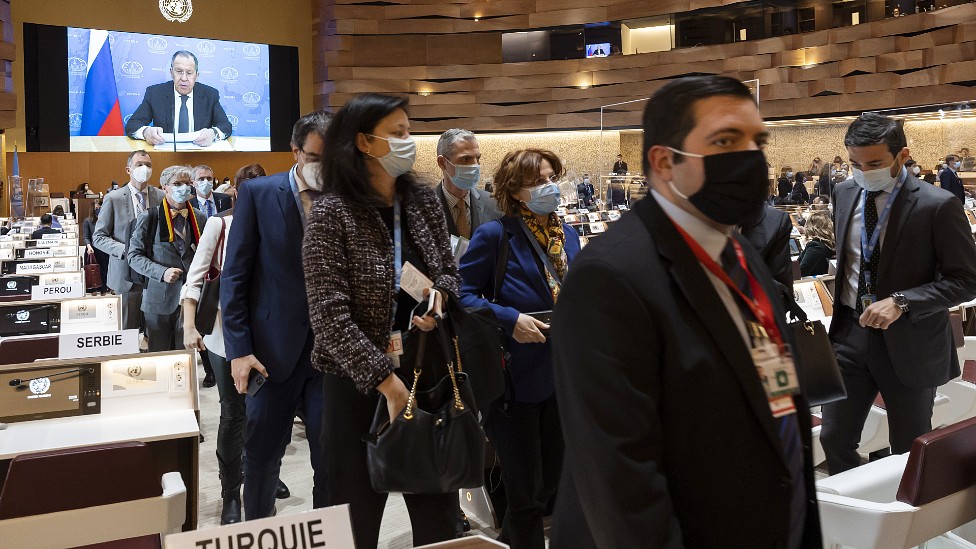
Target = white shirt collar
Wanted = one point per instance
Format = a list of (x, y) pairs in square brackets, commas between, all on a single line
[(177, 92), (711, 240), (302, 186)]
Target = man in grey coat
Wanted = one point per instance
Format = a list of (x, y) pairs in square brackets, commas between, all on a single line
[(119, 208), (465, 206), (162, 247)]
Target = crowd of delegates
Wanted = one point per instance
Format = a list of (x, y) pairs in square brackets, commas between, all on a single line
[(622, 342)]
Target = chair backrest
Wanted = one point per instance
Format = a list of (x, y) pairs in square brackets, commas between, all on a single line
[(76, 478), (17, 350), (941, 463)]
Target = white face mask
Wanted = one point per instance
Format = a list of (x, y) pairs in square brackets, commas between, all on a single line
[(204, 187), (874, 180), (312, 174), (400, 159), (916, 170), (141, 174)]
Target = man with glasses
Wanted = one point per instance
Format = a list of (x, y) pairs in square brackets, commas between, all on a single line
[(265, 313), (183, 104), (164, 240)]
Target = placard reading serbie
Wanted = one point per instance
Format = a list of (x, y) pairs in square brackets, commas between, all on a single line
[(57, 291), (125, 342), (329, 527)]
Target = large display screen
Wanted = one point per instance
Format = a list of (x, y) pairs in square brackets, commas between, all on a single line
[(115, 76)]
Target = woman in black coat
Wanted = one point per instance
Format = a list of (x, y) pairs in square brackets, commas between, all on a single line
[(815, 257)]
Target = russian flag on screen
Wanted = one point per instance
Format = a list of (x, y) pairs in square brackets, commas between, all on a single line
[(101, 114)]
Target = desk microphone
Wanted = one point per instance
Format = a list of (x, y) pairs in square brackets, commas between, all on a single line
[(19, 382)]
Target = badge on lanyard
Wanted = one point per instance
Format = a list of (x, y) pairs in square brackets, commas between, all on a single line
[(777, 373), (868, 298), (395, 348)]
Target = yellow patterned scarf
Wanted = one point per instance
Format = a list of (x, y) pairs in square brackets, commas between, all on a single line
[(553, 241)]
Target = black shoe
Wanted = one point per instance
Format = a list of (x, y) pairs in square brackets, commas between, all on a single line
[(281, 492), (209, 381), (231, 512)]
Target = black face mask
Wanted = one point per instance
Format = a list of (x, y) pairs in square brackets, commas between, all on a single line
[(735, 186)]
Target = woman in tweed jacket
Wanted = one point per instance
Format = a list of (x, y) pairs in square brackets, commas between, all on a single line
[(351, 277)]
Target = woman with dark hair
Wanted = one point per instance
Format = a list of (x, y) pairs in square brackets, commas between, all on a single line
[(88, 234), (524, 426), (799, 194), (373, 218)]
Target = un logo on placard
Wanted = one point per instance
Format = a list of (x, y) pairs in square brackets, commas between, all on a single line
[(206, 48), (251, 50), (157, 44), (74, 121), (77, 65), (135, 370), (40, 385), (251, 99), (233, 120), (12, 285), (23, 316), (228, 74), (132, 68)]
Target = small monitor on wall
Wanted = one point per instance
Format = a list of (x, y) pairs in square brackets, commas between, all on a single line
[(598, 50)]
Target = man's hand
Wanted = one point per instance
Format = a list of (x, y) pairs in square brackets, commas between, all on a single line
[(172, 275), (206, 137), (240, 370), (880, 314), (153, 135)]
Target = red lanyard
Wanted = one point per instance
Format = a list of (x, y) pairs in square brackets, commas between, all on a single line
[(760, 307)]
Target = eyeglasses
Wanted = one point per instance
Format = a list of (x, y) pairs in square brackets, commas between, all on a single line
[(311, 157), (181, 72), (542, 181), (182, 182)]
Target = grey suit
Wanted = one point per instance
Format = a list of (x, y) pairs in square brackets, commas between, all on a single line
[(483, 209), (928, 255), (113, 220), (161, 300)]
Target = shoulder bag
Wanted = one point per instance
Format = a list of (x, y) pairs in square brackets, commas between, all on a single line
[(813, 354), (435, 445), (210, 292), (93, 273)]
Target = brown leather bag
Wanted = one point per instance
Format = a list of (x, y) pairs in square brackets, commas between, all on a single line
[(93, 273)]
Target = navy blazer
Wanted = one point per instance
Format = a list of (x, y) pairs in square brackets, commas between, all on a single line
[(950, 181), (262, 287), (524, 290)]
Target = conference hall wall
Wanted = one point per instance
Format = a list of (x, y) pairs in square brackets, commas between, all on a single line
[(283, 22)]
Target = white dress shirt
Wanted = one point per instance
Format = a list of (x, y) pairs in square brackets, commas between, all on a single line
[(713, 242), (852, 247), (136, 207), (203, 204)]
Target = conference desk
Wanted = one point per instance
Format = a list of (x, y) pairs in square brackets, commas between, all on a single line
[(118, 143)]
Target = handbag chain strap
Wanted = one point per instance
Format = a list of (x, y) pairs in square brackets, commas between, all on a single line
[(412, 399)]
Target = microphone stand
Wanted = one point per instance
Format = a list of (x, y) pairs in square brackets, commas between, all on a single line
[(20, 382)]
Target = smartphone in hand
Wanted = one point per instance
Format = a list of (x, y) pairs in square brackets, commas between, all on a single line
[(255, 382)]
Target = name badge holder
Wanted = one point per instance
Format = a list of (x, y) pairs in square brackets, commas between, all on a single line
[(869, 245)]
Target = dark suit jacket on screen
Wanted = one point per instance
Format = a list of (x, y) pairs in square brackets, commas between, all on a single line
[(769, 233), (160, 99), (669, 437), (927, 254), (262, 289)]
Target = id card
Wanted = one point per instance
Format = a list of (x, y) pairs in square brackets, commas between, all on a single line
[(395, 348), (414, 282), (778, 375), (867, 300)]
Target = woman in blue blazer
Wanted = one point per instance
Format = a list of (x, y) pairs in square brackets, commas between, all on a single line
[(537, 249)]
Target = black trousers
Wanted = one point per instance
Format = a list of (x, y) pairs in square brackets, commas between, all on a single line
[(165, 332), (529, 443), (230, 431), (347, 417), (866, 368)]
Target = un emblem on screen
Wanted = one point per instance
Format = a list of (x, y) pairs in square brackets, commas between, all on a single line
[(178, 11), (40, 385), (77, 65), (251, 98), (206, 47), (11, 285), (228, 73), (23, 316), (251, 50), (157, 44), (132, 68), (74, 121), (233, 120)]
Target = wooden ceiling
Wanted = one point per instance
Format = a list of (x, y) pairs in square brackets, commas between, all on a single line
[(451, 65)]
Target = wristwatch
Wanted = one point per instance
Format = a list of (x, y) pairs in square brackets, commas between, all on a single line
[(900, 300)]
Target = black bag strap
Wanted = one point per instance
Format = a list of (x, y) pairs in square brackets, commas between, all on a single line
[(792, 307), (539, 252), (501, 264)]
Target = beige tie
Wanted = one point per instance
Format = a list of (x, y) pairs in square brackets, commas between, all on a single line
[(461, 220)]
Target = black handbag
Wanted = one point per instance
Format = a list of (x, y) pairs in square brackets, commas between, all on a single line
[(481, 349), (209, 300), (435, 445), (813, 354)]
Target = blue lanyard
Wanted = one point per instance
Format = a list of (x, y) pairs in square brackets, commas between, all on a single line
[(298, 195), (397, 241), (868, 246)]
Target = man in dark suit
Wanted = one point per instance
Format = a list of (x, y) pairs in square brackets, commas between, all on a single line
[(183, 104), (265, 312), (162, 252), (465, 206), (904, 256), (207, 201), (620, 167), (657, 352), (769, 232), (949, 178), (45, 228)]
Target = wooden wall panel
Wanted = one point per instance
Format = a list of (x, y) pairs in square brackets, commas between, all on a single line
[(8, 54), (450, 65)]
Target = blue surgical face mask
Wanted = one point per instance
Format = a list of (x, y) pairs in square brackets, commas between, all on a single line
[(465, 177), (181, 193), (204, 186), (544, 199), (400, 159)]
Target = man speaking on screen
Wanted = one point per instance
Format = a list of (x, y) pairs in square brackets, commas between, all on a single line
[(194, 107)]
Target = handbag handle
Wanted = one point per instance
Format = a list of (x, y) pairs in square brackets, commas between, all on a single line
[(417, 369)]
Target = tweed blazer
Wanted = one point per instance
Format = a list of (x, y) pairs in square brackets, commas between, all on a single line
[(351, 279)]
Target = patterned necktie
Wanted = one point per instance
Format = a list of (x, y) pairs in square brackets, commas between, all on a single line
[(210, 211), (870, 220), (141, 199), (179, 229), (184, 115), (461, 220)]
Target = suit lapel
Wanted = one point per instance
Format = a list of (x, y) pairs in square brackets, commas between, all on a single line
[(708, 307), (845, 203), (901, 210), (451, 227), (525, 255), (289, 209), (477, 209), (169, 120)]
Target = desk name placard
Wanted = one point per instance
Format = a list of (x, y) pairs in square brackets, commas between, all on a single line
[(329, 528), (125, 342)]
